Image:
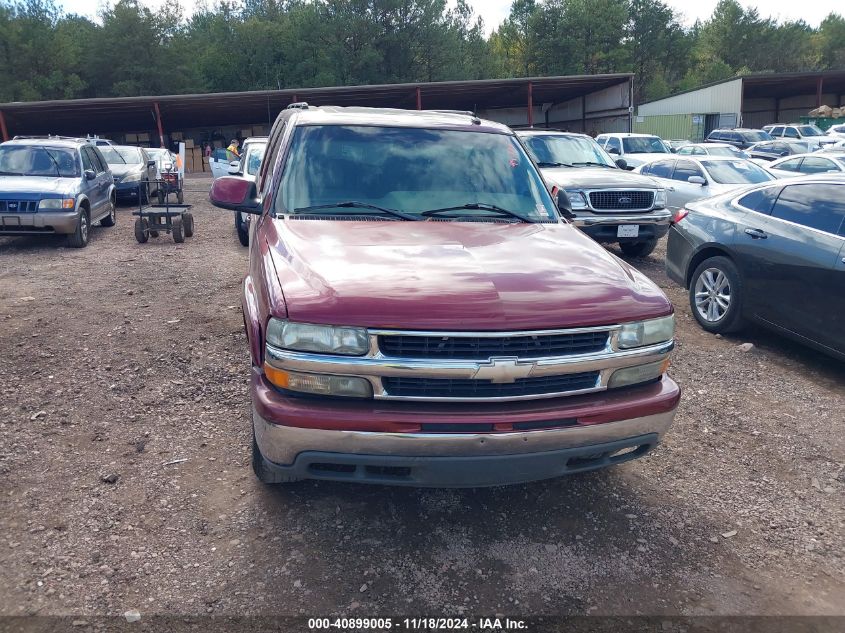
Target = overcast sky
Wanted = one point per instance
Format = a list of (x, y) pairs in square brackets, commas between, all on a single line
[(494, 11)]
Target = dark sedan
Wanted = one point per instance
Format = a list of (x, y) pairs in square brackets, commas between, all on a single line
[(773, 254), (771, 150), (134, 172)]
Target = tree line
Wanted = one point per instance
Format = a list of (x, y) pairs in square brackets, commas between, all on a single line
[(46, 53)]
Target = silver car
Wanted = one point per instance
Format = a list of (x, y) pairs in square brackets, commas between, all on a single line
[(826, 162), (691, 178)]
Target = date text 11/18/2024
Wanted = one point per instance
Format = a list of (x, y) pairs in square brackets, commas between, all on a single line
[(417, 624)]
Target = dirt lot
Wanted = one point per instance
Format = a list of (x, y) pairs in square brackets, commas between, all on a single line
[(119, 359)]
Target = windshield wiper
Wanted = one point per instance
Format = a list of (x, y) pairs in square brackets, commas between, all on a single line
[(482, 206), (594, 164), (353, 204), (552, 164)]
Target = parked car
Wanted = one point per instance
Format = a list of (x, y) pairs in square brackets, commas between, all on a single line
[(420, 314), (690, 177), (804, 164), (251, 154), (54, 186), (608, 203), (676, 144), (767, 151), (636, 149), (773, 255), (741, 138), (809, 134), (711, 149), (837, 132), (133, 169)]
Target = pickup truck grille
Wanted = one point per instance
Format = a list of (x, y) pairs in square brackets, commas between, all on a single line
[(482, 348), (621, 200), (18, 206), (471, 388)]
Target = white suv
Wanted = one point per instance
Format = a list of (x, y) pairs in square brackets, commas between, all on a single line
[(636, 149), (810, 134)]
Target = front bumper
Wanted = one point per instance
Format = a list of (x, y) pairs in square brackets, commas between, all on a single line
[(377, 442), (127, 189), (41, 222), (603, 227)]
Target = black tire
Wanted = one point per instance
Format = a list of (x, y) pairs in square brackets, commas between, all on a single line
[(188, 222), (178, 230), (638, 249), (180, 197), (730, 320), (141, 233), (260, 468), (79, 238), (242, 229), (111, 218), (144, 192), (161, 195)]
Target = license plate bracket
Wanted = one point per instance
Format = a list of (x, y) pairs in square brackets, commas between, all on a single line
[(627, 230)]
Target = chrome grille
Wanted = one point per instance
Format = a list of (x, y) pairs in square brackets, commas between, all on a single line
[(476, 347), (18, 206), (471, 388), (621, 200)]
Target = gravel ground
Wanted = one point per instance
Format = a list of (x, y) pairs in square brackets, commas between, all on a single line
[(125, 480)]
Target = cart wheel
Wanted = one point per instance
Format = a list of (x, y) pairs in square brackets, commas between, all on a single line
[(180, 198), (144, 193), (188, 222), (161, 195), (178, 230), (141, 230)]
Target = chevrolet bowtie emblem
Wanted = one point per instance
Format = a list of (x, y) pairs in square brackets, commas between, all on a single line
[(503, 370)]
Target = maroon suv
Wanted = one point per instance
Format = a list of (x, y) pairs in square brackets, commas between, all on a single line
[(419, 313)]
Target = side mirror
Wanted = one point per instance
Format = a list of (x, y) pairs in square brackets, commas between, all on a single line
[(697, 180), (89, 174), (151, 163), (564, 205), (673, 150), (612, 150), (621, 163), (235, 194)]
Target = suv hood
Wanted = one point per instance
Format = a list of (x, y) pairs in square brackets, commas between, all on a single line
[(444, 275), (596, 178), (120, 170), (35, 185)]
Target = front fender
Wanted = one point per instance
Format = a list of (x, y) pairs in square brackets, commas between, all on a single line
[(252, 323)]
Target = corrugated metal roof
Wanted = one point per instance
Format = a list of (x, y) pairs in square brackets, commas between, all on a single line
[(232, 108)]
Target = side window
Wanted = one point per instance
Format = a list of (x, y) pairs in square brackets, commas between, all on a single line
[(614, 143), (777, 131), (793, 164), (760, 200), (684, 169), (818, 206), (699, 151), (601, 140), (271, 154), (87, 163), (735, 137), (684, 151), (219, 154), (661, 169), (99, 160), (817, 165), (791, 132)]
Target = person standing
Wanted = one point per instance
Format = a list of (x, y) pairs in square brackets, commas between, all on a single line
[(233, 149)]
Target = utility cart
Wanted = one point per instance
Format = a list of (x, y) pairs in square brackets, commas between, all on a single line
[(171, 182), (154, 219)]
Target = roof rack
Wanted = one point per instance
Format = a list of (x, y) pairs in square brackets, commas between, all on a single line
[(469, 113), (49, 137), (298, 105)]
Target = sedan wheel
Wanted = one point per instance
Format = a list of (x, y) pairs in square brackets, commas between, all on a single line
[(712, 295), (716, 295)]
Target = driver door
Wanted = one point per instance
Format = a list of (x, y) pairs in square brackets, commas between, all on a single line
[(681, 190)]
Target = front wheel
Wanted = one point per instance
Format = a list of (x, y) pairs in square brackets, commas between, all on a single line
[(242, 228), (715, 295), (79, 238), (638, 249), (111, 218)]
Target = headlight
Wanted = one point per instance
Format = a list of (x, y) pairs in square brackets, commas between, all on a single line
[(319, 384), (648, 332), (576, 199), (57, 203), (132, 177), (660, 199), (325, 339), (635, 375)]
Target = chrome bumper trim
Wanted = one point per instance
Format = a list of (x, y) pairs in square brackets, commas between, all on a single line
[(662, 216), (281, 444)]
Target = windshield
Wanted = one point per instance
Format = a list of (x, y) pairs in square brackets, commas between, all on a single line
[(121, 155), (643, 145), (730, 152), (28, 160), (734, 172), (570, 150), (411, 170), (759, 135), (810, 130), (253, 158)]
